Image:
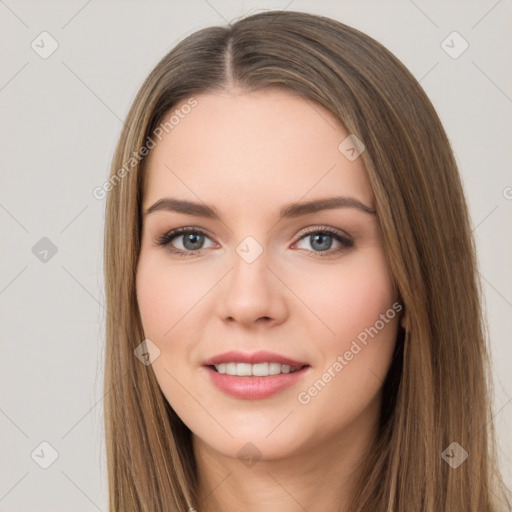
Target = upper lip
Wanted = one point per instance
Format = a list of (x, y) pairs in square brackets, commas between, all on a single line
[(263, 356)]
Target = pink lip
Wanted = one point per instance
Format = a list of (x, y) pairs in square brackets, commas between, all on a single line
[(254, 388), (263, 356)]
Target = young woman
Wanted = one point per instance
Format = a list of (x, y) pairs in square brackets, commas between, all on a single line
[(294, 314)]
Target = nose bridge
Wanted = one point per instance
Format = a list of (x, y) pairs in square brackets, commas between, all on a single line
[(251, 290), (250, 273)]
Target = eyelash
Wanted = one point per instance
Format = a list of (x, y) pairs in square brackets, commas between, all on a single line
[(166, 239)]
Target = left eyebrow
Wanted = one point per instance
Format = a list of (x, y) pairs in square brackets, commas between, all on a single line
[(291, 210)]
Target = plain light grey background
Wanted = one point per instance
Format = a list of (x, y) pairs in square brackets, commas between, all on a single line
[(60, 119)]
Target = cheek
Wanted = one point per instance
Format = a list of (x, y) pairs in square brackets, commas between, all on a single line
[(350, 297), (152, 300), (164, 295)]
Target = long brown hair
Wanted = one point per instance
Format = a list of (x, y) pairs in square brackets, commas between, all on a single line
[(437, 391)]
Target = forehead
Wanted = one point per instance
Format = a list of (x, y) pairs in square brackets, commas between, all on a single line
[(251, 148)]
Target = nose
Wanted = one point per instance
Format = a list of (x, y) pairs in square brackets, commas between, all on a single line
[(252, 293)]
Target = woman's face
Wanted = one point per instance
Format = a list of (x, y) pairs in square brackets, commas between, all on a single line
[(257, 281)]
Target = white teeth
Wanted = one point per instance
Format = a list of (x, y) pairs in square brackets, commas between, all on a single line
[(274, 368), (256, 370), (260, 369), (243, 369)]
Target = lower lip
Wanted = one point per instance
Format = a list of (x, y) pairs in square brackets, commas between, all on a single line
[(254, 388)]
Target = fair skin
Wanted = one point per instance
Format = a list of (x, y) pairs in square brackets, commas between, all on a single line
[(248, 155)]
